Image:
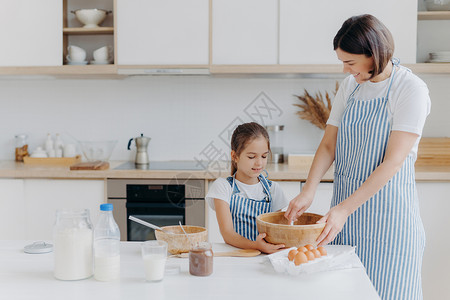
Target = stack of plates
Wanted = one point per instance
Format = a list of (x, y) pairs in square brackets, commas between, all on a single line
[(440, 57)]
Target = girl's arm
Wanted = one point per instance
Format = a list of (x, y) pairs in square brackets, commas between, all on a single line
[(323, 159), (399, 145), (233, 238)]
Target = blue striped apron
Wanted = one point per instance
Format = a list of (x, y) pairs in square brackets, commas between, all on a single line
[(387, 229), (244, 210)]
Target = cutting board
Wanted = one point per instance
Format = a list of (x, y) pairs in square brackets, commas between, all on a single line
[(91, 165), (434, 152)]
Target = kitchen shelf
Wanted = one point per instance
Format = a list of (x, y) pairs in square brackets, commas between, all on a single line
[(276, 69), (433, 15), (88, 31), (61, 70)]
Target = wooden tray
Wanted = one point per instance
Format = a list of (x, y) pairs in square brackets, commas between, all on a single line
[(433, 152), (91, 165), (52, 161)]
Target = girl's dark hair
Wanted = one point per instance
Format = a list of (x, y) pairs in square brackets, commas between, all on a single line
[(366, 35), (244, 134)]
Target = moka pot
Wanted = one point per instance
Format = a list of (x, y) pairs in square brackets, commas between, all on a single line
[(141, 149)]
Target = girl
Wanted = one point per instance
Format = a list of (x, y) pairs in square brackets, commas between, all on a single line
[(372, 134), (240, 198)]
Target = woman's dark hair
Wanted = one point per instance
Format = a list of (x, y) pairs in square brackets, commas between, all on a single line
[(244, 134), (366, 35)]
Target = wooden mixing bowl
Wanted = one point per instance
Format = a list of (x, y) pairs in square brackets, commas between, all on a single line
[(278, 231), (177, 241)]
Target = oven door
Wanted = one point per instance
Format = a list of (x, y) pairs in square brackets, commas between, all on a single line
[(160, 215)]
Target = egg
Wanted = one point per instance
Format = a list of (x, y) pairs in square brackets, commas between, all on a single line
[(322, 251), (302, 249), (316, 252), (300, 258), (310, 255), (292, 254), (309, 247)]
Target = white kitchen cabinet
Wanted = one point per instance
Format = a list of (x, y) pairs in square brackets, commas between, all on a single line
[(44, 196), (244, 32), (434, 209), (31, 33), (307, 28), (162, 32), (322, 198), (12, 218)]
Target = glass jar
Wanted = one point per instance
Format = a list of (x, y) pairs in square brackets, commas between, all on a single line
[(201, 260), (21, 146), (276, 143), (73, 244)]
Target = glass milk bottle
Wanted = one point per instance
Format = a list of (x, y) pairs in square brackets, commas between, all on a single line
[(106, 246), (73, 241)]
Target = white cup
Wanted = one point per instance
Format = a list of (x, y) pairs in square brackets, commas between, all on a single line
[(76, 54), (154, 254), (102, 54), (69, 150)]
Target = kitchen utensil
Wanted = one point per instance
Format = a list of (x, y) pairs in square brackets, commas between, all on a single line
[(148, 224), (92, 17), (234, 253), (97, 150), (190, 242), (141, 149), (102, 54), (76, 54), (278, 231), (177, 240), (91, 165)]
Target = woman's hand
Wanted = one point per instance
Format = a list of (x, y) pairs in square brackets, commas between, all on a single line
[(266, 247), (297, 206), (335, 220)]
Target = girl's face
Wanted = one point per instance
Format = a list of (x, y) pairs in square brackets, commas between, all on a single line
[(358, 65), (252, 160)]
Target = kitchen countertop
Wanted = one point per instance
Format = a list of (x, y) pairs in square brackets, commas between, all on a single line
[(30, 276), (12, 169)]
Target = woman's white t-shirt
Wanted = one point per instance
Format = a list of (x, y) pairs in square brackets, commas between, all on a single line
[(221, 189), (408, 104)]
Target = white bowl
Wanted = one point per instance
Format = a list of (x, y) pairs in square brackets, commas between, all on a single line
[(90, 17), (434, 5), (97, 150)]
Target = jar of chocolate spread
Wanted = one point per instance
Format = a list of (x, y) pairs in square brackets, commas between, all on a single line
[(201, 260)]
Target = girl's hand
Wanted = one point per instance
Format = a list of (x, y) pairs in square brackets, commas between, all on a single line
[(266, 247), (335, 220), (297, 206)]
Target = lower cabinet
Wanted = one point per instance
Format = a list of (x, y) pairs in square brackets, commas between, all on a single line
[(434, 209), (42, 197), (12, 203)]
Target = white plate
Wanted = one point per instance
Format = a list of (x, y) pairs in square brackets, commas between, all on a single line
[(77, 62)]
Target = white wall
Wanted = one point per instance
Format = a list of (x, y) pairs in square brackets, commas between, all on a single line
[(182, 114)]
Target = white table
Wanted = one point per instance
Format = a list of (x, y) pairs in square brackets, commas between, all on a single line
[(30, 276)]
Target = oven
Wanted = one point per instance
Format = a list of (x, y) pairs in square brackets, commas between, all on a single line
[(160, 202)]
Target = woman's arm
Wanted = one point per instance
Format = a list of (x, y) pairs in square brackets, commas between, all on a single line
[(233, 238), (399, 145), (323, 159)]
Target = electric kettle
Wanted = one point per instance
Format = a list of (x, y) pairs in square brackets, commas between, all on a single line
[(141, 149)]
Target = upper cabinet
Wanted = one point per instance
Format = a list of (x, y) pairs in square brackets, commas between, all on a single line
[(244, 32), (31, 33), (307, 28), (162, 32)]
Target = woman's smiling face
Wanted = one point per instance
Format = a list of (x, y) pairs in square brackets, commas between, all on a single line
[(359, 65)]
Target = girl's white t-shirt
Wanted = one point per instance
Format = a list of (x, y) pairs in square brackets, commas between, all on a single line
[(221, 189), (408, 104)]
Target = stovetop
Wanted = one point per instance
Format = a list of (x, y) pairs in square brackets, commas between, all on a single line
[(164, 165)]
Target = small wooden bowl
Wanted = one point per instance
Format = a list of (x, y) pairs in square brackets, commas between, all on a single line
[(177, 241), (278, 231)]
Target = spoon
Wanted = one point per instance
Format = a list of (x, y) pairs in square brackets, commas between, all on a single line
[(234, 253), (148, 224), (190, 242)]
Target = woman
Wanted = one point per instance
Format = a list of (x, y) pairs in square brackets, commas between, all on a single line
[(372, 134)]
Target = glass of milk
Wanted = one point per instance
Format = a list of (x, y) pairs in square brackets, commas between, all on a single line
[(154, 254)]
